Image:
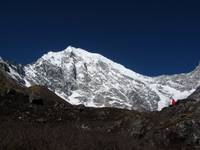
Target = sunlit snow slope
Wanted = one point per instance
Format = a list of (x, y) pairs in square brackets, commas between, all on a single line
[(91, 79)]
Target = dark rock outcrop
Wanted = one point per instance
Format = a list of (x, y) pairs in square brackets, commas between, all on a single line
[(4, 67), (195, 95)]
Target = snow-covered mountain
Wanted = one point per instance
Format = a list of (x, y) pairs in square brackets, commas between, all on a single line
[(81, 77)]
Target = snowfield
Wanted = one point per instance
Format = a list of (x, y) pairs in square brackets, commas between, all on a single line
[(81, 77)]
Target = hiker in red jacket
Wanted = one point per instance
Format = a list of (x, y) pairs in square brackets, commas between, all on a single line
[(173, 102)]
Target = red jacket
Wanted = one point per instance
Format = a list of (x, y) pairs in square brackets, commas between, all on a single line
[(173, 102)]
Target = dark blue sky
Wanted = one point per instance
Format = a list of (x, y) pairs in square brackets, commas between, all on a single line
[(149, 37)]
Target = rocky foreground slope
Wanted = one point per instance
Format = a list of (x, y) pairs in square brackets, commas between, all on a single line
[(35, 118)]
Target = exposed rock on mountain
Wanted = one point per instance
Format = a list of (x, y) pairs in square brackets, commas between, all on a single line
[(91, 79), (32, 95), (195, 95)]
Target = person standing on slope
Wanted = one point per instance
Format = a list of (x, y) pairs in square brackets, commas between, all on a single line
[(173, 102)]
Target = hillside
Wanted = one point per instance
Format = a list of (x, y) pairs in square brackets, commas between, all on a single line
[(47, 122)]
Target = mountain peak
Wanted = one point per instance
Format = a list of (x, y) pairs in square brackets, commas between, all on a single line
[(88, 58), (70, 49), (82, 77), (67, 51), (83, 53)]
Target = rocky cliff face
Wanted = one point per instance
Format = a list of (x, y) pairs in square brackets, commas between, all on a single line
[(85, 78), (195, 95)]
